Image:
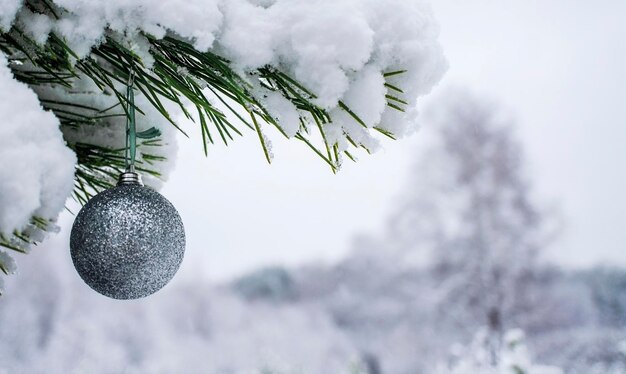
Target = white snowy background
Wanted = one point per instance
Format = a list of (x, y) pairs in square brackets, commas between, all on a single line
[(557, 67)]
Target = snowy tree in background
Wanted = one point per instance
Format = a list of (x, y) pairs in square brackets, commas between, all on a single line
[(471, 209), (329, 74)]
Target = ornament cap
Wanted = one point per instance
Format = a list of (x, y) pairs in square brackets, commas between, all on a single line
[(129, 177)]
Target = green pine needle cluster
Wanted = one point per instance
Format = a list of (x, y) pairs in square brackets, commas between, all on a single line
[(181, 75)]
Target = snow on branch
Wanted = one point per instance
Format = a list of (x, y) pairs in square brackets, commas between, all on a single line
[(335, 75)]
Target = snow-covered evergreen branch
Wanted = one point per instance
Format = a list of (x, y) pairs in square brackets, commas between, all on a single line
[(329, 74)]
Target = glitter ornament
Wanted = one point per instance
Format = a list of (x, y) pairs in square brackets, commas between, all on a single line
[(128, 241)]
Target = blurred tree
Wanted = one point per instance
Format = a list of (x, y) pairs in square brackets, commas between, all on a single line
[(608, 287), (270, 283), (470, 209)]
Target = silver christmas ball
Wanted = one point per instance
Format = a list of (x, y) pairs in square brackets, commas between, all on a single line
[(128, 241)]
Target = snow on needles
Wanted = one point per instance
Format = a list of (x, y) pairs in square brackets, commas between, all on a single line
[(37, 173), (338, 49)]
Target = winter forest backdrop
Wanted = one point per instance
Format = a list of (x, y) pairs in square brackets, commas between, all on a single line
[(491, 241)]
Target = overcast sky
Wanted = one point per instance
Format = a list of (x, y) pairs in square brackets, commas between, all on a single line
[(557, 66), (560, 67)]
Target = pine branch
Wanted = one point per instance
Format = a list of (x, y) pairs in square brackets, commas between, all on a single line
[(180, 75)]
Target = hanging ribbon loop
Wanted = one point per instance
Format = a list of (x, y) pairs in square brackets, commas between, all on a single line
[(131, 129)]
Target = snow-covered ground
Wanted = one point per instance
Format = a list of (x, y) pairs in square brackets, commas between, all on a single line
[(360, 316)]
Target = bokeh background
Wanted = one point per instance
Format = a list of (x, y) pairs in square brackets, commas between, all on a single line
[(291, 269)]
